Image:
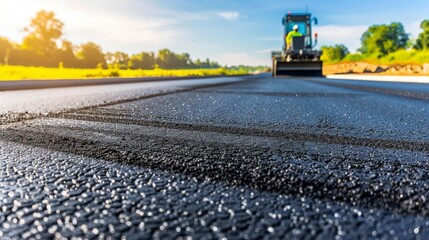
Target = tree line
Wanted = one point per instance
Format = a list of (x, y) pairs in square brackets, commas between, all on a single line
[(379, 41), (43, 45), (164, 59)]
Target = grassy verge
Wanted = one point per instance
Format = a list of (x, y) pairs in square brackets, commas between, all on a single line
[(402, 63), (401, 57), (22, 73)]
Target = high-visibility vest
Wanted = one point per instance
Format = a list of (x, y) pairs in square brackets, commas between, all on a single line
[(290, 35)]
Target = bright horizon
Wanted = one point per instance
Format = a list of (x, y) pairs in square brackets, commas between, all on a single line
[(224, 31)]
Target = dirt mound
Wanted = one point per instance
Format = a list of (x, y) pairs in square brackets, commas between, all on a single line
[(362, 67)]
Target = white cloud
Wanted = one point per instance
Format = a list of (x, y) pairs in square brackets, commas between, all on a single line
[(340, 34), (350, 35), (123, 33), (243, 59), (413, 28), (108, 27), (181, 16), (265, 51), (230, 16), (270, 39), (155, 23)]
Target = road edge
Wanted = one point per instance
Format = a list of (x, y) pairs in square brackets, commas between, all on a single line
[(378, 78), (60, 83)]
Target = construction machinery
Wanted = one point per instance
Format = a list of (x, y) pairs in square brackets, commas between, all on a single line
[(300, 58)]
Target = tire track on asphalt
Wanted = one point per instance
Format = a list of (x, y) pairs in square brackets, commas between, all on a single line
[(387, 91), (13, 117), (381, 184), (298, 136), (394, 186)]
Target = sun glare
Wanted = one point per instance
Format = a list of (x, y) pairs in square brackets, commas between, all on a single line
[(16, 15)]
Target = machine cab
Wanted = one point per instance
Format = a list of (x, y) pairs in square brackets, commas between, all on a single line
[(303, 20), (301, 58)]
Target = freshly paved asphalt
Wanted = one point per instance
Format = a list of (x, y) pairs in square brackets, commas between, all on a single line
[(237, 158)]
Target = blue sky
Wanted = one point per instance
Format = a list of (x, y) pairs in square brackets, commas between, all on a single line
[(228, 31)]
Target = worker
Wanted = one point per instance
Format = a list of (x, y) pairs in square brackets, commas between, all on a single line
[(292, 34)]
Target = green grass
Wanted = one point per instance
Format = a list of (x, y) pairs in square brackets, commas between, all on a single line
[(406, 57), (401, 57), (22, 73)]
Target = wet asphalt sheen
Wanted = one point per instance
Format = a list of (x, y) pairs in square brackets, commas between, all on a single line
[(240, 158)]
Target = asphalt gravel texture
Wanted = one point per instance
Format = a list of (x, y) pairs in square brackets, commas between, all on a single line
[(241, 158)]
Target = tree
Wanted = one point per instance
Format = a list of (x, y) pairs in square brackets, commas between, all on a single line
[(166, 59), (206, 64), (119, 60), (148, 60), (143, 60), (422, 42), (184, 60), (334, 53), (43, 32), (66, 55), (5, 50), (91, 55), (384, 39), (197, 63)]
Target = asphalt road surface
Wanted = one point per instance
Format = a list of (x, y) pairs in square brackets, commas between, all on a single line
[(236, 158)]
